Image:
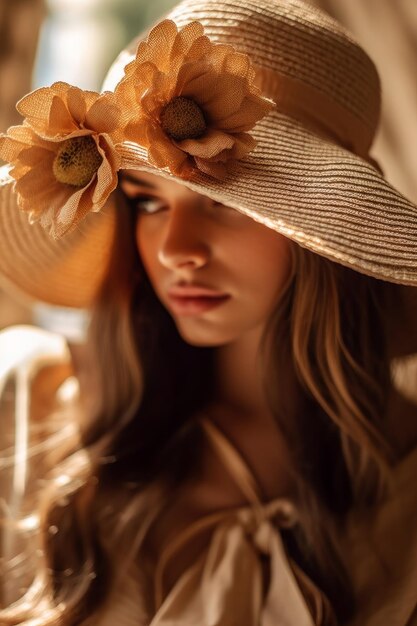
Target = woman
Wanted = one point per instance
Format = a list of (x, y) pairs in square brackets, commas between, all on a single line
[(251, 287)]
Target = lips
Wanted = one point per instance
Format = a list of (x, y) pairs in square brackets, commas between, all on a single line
[(192, 299), (194, 291)]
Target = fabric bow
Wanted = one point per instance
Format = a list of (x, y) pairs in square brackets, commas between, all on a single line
[(225, 586)]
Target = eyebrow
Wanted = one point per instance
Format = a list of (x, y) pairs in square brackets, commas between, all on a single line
[(136, 181)]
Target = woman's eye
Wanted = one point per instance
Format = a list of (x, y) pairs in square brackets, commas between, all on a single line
[(146, 204)]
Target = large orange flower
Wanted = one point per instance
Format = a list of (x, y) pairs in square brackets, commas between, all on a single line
[(191, 101), (63, 155)]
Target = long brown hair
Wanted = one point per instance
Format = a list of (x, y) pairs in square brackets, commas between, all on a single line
[(326, 378)]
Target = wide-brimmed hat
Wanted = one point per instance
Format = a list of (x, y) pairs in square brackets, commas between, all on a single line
[(268, 106)]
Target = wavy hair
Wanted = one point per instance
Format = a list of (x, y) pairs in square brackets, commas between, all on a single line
[(326, 378)]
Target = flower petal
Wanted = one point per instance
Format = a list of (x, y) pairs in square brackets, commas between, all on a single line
[(37, 108), (239, 64), (107, 172), (184, 40), (128, 70), (17, 139), (252, 109), (36, 105), (35, 155), (243, 143), (163, 152), (37, 180), (145, 85), (199, 50), (18, 170), (216, 170), (41, 137), (67, 216), (194, 80), (208, 146), (89, 96), (86, 203), (60, 89), (60, 121), (77, 105), (47, 201), (38, 200), (215, 76), (161, 37), (157, 96), (227, 96), (104, 116), (218, 55), (137, 131), (106, 182), (147, 75)]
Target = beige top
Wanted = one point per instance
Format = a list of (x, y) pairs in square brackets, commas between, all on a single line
[(226, 586)]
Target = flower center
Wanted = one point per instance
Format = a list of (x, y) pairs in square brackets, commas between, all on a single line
[(182, 118), (77, 160)]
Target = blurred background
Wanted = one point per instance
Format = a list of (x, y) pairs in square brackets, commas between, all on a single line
[(42, 41)]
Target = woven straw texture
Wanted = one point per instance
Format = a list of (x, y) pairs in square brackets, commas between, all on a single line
[(301, 179)]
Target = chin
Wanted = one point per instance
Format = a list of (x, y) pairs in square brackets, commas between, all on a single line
[(205, 338)]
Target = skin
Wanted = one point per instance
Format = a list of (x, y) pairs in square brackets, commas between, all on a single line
[(184, 236), (187, 237)]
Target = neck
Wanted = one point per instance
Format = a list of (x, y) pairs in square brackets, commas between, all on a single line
[(238, 387), (239, 377)]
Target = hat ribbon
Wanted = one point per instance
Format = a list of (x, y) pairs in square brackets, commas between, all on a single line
[(316, 110)]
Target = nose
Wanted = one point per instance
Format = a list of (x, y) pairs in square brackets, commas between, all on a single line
[(185, 240)]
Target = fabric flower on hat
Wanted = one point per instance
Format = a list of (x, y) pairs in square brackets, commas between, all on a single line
[(192, 101), (63, 156)]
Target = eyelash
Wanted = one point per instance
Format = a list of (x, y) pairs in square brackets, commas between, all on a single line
[(138, 203)]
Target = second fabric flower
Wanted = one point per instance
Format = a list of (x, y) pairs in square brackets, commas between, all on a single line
[(191, 101)]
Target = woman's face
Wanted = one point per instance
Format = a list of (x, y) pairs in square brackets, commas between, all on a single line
[(218, 272)]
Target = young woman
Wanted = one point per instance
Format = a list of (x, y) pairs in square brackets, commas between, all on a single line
[(249, 449)]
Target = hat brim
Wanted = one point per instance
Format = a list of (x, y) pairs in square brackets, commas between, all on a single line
[(298, 183), (34, 266)]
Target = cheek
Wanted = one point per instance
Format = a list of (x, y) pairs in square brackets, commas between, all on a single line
[(266, 259), (278, 261)]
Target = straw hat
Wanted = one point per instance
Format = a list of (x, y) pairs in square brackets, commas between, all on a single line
[(301, 166)]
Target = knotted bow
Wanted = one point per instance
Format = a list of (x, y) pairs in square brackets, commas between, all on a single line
[(225, 585)]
